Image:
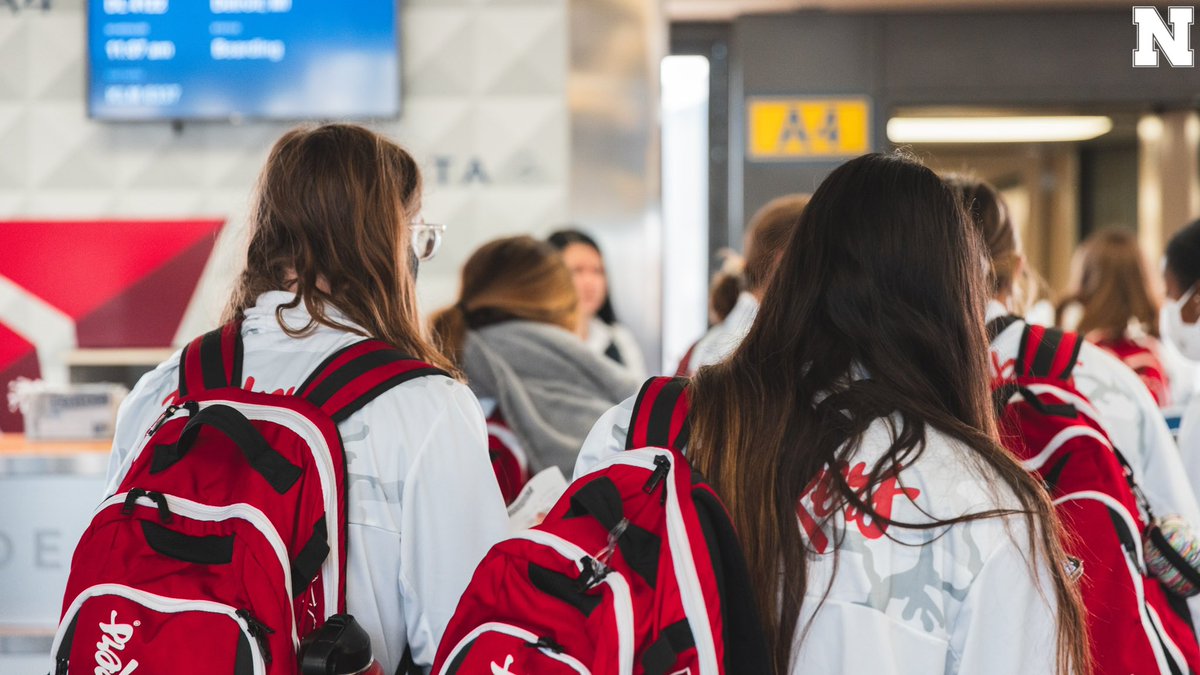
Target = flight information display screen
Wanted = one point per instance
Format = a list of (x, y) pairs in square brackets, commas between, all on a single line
[(235, 59)]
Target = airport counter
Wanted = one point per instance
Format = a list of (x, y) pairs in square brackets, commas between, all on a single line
[(48, 491)]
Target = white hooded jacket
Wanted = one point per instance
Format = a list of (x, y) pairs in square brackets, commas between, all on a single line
[(423, 504)]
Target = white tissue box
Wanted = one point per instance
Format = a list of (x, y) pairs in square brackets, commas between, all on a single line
[(68, 412)]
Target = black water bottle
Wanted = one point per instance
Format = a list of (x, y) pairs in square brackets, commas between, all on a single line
[(340, 647)]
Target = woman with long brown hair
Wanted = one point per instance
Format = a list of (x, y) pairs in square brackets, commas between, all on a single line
[(852, 438), (512, 333), (334, 240), (1113, 303)]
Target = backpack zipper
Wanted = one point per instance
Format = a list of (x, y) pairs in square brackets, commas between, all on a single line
[(662, 467), (259, 631), (190, 406), (691, 594)]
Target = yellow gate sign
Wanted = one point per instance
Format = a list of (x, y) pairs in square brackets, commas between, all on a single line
[(807, 128)]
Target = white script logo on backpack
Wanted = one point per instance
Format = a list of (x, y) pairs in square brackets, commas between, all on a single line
[(503, 670), (115, 637)]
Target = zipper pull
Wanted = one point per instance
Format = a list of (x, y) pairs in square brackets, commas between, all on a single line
[(662, 466), (191, 406), (259, 632), (60, 665), (547, 644), (162, 419)]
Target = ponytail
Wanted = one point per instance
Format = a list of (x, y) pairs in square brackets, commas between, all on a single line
[(449, 328)]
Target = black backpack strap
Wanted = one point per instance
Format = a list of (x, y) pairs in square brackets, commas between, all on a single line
[(357, 374), (1000, 324), (660, 415), (1047, 353), (212, 361)]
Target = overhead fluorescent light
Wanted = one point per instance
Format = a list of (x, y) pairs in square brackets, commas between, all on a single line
[(997, 129)]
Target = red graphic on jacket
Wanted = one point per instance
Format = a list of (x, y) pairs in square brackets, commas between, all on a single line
[(1002, 371), (820, 499)]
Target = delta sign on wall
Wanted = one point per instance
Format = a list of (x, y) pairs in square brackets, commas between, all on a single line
[(92, 284)]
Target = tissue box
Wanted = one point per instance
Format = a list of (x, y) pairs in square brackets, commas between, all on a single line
[(68, 412)]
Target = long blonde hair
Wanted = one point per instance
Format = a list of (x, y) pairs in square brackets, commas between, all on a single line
[(1111, 281), (510, 278), (330, 222)]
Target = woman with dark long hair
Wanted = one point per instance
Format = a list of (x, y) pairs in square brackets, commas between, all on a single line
[(851, 436), (334, 238), (597, 323)]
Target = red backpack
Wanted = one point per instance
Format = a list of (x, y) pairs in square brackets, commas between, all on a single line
[(225, 544), (1054, 430), (636, 569), (509, 461)]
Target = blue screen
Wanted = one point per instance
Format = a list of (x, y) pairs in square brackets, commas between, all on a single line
[(229, 59)]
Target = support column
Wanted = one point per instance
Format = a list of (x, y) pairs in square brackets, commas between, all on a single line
[(1168, 177)]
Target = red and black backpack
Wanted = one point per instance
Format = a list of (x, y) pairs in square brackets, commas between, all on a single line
[(225, 545), (636, 569), (509, 460), (1134, 625)]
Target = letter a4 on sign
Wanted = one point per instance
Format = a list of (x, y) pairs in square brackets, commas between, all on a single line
[(807, 128)]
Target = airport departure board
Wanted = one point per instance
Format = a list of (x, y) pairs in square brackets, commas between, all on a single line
[(242, 59)]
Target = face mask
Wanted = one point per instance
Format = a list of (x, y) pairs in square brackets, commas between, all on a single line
[(1185, 336)]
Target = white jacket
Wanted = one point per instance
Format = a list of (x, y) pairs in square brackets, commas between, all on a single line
[(722, 339), (958, 599), (424, 505)]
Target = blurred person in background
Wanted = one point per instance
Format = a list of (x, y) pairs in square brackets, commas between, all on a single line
[(1113, 303), (598, 325), (1178, 326), (723, 293), (335, 238), (766, 236), (512, 333), (1127, 410)]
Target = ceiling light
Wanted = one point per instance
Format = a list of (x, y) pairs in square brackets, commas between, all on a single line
[(996, 129)]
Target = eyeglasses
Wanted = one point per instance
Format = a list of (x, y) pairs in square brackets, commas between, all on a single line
[(426, 239)]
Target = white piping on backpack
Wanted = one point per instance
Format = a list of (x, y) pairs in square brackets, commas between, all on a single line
[(519, 633), (162, 604)]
